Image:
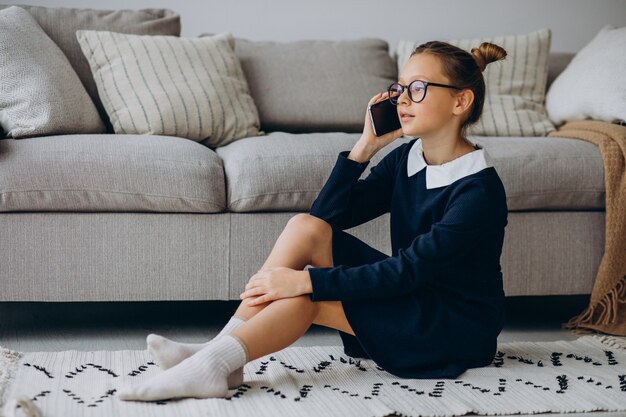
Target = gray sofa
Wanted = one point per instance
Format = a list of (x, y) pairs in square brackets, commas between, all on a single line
[(108, 217)]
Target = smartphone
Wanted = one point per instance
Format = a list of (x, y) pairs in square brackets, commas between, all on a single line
[(384, 117)]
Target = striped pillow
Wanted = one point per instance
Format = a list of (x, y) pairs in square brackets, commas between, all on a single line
[(516, 86), (192, 88)]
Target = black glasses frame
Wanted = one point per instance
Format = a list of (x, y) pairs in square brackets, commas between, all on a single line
[(408, 89)]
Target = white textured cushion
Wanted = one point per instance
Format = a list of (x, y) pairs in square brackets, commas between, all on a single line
[(593, 85), (165, 85), (40, 93), (515, 86), (61, 24)]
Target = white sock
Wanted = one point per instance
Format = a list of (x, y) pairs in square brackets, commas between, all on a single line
[(202, 375), (167, 353)]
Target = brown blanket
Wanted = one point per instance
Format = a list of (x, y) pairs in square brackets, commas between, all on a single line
[(607, 308)]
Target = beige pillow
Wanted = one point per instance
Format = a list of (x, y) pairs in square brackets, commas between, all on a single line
[(40, 93), (515, 87), (192, 88)]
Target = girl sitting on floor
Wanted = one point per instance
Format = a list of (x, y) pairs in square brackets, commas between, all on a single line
[(432, 309)]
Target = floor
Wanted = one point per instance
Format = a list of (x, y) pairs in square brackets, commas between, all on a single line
[(26, 326)]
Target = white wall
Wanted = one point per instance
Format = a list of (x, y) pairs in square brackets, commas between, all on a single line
[(573, 22)]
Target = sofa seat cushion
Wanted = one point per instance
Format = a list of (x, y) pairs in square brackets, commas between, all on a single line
[(280, 171), (547, 173), (110, 173), (285, 172)]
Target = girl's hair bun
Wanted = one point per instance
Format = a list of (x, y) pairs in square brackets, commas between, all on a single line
[(487, 52)]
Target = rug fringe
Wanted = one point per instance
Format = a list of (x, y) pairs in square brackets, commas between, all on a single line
[(606, 307), (8, 364), (614, 341), (29, 408), (10, 355)]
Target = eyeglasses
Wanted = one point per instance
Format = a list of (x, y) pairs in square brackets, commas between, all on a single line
[(416, 89)]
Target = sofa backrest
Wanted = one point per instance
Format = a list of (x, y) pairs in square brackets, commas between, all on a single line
[(61, 24), (557, 61)]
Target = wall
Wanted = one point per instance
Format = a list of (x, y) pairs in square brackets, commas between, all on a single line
[(573, 22)]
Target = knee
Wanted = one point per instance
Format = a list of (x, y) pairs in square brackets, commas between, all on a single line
[(302, 219), (310, 224)]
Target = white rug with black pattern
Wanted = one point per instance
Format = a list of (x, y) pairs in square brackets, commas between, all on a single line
[(586, 374)]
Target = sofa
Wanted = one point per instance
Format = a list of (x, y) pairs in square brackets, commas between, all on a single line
[(136, 217)]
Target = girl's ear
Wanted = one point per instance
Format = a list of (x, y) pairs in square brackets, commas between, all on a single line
[(464, 100)]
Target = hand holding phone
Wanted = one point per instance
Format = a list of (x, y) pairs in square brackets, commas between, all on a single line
[(384, 117), (369, 143)]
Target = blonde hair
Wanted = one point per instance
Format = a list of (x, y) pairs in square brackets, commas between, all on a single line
[(486, 53)]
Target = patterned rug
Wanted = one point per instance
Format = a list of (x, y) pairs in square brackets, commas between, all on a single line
[(586, 374)]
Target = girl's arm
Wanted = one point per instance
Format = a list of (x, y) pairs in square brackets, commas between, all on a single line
[(475, 214), (346, 201)]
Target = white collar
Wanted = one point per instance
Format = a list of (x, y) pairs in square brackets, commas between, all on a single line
[(446, 174)]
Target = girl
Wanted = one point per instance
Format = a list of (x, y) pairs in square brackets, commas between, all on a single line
[(431, 310)]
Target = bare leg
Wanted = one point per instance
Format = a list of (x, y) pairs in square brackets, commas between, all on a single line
[(296, 247), (305, 240), (259, 333)]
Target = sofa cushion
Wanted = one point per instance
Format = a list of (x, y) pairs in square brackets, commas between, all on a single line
[(592, 86), (165, 85), (285, 172), (40, 93), (315, 85), (547, 173), (110, 173), (281, 171), (557, 62), (61, 24)]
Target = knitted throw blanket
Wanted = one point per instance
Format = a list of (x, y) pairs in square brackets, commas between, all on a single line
[(606, 312)]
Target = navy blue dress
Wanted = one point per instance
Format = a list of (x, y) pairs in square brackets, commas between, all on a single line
[(435, 307)]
